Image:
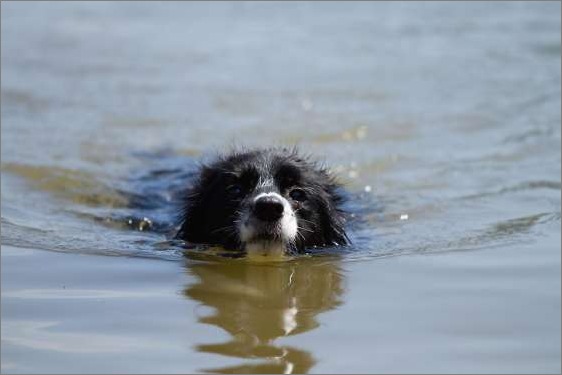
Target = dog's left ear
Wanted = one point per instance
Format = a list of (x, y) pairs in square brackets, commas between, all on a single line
[(193, 217), (334, 218)]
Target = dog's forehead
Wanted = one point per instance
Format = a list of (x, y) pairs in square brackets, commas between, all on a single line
[(264, 166)]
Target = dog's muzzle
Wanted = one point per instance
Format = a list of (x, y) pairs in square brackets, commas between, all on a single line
[(268, 208), (268, 219)]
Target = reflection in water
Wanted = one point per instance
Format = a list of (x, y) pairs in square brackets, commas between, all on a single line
[(258, 303)]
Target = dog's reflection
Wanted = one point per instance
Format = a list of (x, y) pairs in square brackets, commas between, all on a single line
[(258, 303)]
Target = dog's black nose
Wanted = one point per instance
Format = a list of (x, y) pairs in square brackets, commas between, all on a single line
[(268, 209)]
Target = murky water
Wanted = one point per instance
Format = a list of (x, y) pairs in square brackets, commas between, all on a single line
[(442, 119)]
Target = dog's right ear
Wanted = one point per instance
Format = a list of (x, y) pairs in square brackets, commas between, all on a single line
[(193, 216)]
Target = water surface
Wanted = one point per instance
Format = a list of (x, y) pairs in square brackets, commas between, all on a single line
[(442, 119)]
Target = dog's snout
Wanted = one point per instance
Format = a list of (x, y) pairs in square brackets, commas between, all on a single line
[(268, 208)]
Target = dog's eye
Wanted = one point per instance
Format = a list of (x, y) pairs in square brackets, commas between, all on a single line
[(235, 190), (287, 176), (297, 195)]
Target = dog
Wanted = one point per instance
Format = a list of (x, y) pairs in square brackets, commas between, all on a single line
[(267, 202)]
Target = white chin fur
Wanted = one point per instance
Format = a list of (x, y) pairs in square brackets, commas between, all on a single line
[(265, 251), (288, 229)]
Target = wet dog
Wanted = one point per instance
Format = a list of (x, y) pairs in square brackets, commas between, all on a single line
[(268, 202)]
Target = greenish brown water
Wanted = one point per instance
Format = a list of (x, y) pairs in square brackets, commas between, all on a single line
[(442, 119)]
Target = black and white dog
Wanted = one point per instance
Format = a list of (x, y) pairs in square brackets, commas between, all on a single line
[(268, 202)]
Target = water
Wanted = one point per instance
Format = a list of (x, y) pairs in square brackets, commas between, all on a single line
[(442, 119)]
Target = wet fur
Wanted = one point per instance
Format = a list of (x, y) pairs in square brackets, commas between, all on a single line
[(210, 214)]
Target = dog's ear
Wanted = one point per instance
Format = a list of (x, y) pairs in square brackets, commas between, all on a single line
[(193, 216), (334, 217)]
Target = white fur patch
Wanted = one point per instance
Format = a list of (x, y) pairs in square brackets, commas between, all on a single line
[(265, 251), (270, 249), (288, 221)]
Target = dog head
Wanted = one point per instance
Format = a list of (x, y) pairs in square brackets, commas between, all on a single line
[(264, 201)]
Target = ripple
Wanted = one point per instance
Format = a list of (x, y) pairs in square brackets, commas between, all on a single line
[(78, 186), (135, 216), (524, 186)]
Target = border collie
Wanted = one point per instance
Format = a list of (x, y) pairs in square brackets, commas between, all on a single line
[(267, 202)]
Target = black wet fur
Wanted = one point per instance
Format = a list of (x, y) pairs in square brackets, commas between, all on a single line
[(212, 204)]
